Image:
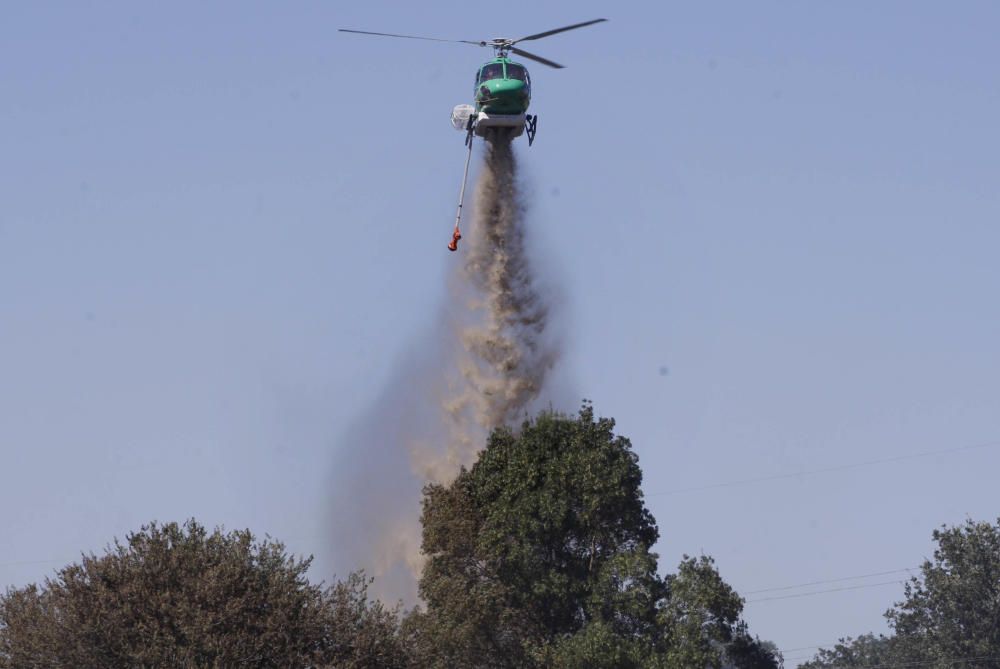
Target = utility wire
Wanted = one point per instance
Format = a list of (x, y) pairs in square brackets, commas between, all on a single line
[(821, 592), (826, 470), (951, 661), (820, 645), (18, 563), (831, 580), (794, 650)]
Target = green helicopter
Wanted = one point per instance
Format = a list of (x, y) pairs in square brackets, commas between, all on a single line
[(502, 95), (503, 87)]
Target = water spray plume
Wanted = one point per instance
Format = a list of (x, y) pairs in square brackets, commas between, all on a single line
[(506, 357), (439, 407)]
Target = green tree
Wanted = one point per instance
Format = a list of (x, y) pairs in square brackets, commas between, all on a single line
[(949, 615), (953, 609), (701, 623), (180, 596), (539, 555), (866, 650)]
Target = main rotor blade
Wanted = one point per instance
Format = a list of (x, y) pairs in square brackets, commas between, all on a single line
[(539, 59), (558, 30), (432, 39)]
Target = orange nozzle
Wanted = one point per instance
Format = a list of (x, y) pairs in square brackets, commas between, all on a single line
[(453, 244)]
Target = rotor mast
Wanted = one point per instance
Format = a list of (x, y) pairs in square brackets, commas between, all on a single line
[(501, 46)]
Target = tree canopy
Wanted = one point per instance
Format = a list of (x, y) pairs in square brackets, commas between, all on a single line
[(540, 555), (866, 650), (176, 595), (950, 614)]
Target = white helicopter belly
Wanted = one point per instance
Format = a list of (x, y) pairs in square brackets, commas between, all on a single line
[(513, 121), (482, 121)]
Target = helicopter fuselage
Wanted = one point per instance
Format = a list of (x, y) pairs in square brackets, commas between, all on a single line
[(502, 87)]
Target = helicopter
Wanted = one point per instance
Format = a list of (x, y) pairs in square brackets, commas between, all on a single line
[(502, 95)]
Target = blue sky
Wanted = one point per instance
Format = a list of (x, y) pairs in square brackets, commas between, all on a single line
[(223, 225)]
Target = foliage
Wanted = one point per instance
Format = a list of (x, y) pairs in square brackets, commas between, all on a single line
[(178, 596), (597, 645), (700, 619), (539, 555), (949, 615), (953, 610), (361, 633), (867, 650)]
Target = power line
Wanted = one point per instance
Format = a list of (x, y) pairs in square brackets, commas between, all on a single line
[(794, 661), (831, 580), (826, 470), (819, 645), (951, 661), (18, 563), (820, 592)]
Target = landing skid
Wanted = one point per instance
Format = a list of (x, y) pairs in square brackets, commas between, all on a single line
[(472, 128)]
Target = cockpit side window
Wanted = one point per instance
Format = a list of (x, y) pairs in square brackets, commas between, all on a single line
[(492, 71), (516, 72)]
